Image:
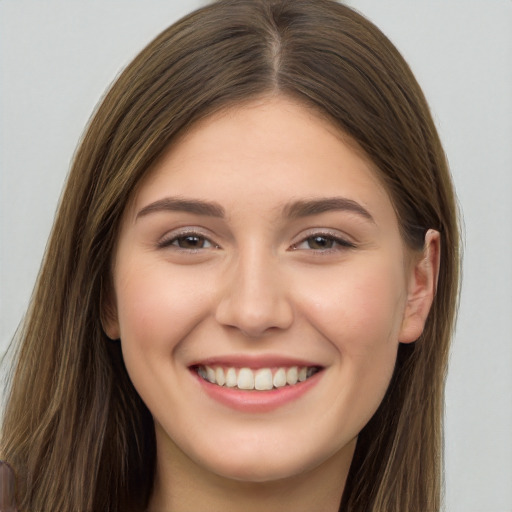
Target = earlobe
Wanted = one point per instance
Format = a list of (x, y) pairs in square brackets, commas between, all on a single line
[(108, 313), (421, 288), (110, 325)]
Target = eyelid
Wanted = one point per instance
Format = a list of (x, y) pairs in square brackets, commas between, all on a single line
[(342, 241), (166, 241)]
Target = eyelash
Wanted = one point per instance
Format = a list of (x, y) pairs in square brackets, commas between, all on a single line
[(337, 243), (174, 240)]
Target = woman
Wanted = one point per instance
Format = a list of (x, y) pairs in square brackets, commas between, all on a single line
[(250, 287)]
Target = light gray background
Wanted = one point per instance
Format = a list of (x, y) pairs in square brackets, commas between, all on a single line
[(57, 57)]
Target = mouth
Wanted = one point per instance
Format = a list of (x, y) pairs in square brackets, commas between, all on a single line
[(261, 379)]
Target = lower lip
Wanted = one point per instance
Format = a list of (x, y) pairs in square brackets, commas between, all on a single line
[(257, 401)]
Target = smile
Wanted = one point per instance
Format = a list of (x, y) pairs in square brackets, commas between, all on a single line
[(262, 379)]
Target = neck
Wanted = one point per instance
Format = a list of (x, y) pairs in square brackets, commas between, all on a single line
[(182, 486)]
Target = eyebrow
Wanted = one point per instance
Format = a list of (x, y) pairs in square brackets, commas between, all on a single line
[(177, 204), (305, 208), (293, 210)]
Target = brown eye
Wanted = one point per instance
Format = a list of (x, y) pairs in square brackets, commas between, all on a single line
[(187, 241), (191, 242), (320, 242), (323, 243)]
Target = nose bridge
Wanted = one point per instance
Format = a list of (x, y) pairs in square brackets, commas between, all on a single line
[(255, 297)]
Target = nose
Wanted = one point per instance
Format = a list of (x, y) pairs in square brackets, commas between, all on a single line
[(255, 297)]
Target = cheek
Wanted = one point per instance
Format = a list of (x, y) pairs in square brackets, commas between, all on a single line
[(360, 315), (358, 309), (158, 307)]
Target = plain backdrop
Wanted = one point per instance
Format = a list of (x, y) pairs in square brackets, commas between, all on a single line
[(58, 57)]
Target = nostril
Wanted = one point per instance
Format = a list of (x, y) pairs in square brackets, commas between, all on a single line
[(255, 318), (254, 298)]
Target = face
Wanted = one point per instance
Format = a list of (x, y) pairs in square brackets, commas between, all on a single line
[(261, 289)]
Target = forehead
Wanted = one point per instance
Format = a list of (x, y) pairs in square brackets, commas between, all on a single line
[(266, 151)]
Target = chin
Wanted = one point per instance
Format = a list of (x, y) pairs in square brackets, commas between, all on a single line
[(266, 464), (261, 472)]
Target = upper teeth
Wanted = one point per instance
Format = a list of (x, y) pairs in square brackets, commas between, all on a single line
[(261, 379)]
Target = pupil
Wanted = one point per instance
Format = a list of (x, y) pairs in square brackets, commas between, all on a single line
[(320, 242), (191, 242)]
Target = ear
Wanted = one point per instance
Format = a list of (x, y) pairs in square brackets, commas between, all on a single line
[(108, 311), (422, 287)]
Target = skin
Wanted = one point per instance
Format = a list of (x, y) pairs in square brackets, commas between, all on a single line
[(258, 283)]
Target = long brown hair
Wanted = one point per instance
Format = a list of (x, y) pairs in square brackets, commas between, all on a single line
[(75, 429)]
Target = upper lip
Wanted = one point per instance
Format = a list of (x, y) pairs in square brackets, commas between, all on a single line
[(253, 361)]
